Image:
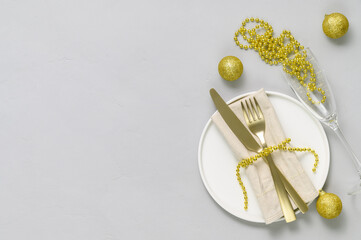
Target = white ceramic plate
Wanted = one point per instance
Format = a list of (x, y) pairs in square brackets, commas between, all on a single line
[(217, 163)]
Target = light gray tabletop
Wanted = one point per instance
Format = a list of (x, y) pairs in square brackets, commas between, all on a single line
[(102, 105)]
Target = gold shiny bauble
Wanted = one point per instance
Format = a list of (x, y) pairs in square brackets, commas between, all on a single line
[(335, 25), (230, 68), (328, 205)]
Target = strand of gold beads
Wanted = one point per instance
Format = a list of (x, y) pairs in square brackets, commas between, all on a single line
[(274, 51), (267, 151)]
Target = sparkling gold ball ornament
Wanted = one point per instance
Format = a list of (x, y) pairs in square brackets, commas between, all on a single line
[(328, 205), (335, 25), (230, 68)]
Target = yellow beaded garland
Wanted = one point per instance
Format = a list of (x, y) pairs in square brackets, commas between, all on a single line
[(275, 50), (267, 151)]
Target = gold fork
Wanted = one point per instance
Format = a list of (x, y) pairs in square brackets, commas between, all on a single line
[(256, 124)]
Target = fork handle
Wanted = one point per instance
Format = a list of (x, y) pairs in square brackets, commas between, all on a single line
[(285, 203)]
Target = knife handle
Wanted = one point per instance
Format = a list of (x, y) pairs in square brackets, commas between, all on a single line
[(291, 191), (285, 203)]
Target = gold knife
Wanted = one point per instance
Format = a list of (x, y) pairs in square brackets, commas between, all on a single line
[(248, 140)]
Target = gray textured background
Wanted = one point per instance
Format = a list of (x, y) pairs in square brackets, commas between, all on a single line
[(102, 104)]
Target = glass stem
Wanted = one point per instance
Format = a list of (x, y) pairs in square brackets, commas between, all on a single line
[(336, 128)]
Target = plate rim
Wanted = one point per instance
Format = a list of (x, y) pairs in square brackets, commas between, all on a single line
[(201, 141)]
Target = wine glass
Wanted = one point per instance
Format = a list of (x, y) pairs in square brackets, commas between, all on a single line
[(325, 112)]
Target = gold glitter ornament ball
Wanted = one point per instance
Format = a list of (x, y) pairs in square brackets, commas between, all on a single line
[(328, 205), (335, 25), (230, 68)]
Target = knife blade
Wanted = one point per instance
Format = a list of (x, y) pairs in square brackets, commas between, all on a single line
[(234, 123), (247, 139)]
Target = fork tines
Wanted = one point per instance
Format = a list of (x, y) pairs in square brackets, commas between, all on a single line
[(252, 110)]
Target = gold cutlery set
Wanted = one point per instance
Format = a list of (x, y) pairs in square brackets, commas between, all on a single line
[(256, 124)]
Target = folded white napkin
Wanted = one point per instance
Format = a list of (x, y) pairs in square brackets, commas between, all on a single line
[(259, 173)]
